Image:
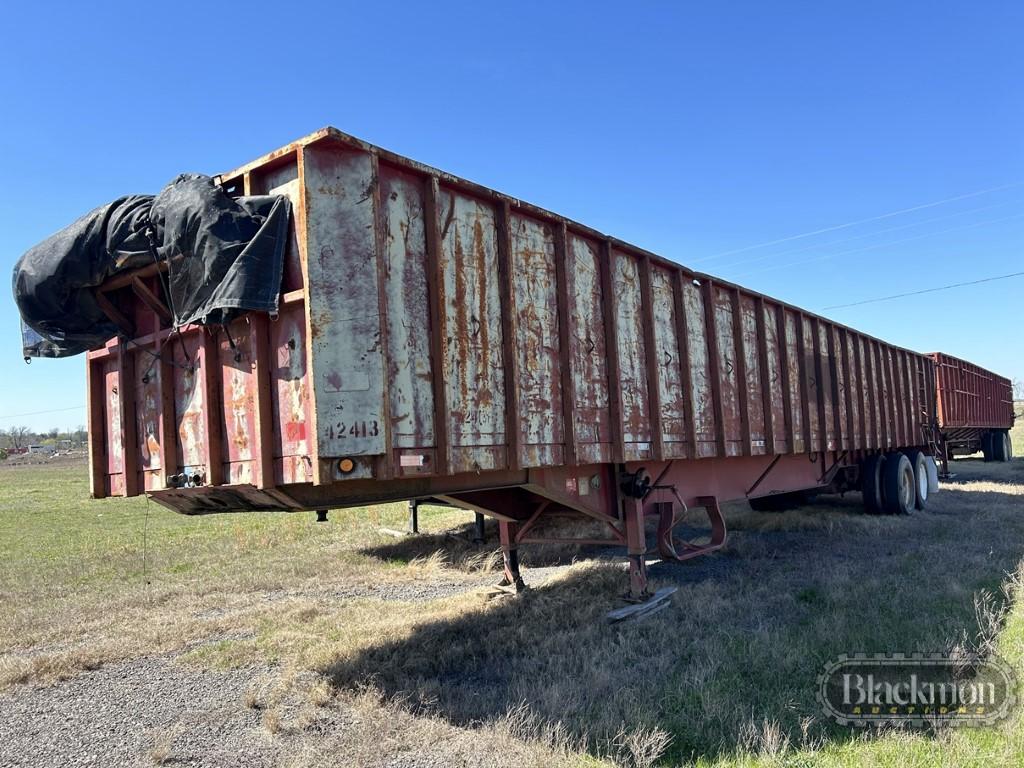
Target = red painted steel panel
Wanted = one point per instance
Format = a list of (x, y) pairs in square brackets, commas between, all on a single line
[(291, 399), (794, 375), (238, 395), (189, 403), (430, 326), (114, 457), (725, 333), (593, 427), (472, 336), (705, 413), (147, 393), (970, 396), (752, 385), (672, 396), (778, 376), (408, 310), (636, 432), (536, 341)]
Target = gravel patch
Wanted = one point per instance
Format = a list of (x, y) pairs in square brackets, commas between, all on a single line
[(125, 713), (152, 711), (415, 591)]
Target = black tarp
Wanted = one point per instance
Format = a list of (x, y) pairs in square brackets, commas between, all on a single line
[(224, 256)]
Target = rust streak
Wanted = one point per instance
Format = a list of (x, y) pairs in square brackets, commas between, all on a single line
[(653, 393), (510, 365), (612, 350), (568, 391)]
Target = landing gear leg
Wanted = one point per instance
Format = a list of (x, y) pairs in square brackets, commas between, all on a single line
[(636, 542), (414, 516), (510, 555)]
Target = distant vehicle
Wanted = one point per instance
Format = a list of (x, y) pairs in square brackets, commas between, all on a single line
[(975, 409), (39, 449)]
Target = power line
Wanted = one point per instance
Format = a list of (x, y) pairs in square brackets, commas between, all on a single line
[(860, 221), (41, 413), (839, 241), (926, 290), (872, 247)]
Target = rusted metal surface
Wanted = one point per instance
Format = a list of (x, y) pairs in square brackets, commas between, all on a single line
[(343, 309), (432, 328), (970, 397), (563, 304), (406, 293), (626, 291), (472, 322), (536, 341), (594, 433)]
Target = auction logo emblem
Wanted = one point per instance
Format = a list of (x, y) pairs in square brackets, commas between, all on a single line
[(917, 689)]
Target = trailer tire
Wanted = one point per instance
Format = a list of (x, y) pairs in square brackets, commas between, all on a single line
[(986, 446), (1002, 449), (871, 483), (919, 461), (898, 487)]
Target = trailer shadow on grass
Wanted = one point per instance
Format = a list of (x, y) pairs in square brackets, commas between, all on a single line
[(732, 664), (457, 547)]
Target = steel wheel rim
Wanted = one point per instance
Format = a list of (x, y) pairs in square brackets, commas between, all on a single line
[(907, 488)]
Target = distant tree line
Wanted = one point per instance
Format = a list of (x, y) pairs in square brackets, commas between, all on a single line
[(18, 438)]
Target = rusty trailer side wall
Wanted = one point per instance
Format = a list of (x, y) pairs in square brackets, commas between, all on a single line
[(970, 397), (973, 404), (435, 333)]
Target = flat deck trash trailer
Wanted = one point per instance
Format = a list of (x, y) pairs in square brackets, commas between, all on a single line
[(437, 339), (975, 409)]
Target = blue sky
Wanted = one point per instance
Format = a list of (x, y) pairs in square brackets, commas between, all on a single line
[(693, 130)]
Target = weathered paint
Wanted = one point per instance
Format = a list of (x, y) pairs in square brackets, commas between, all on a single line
[(239, 406), (752, 370), (776, 394), (536, 341), (408, 315), (728, 372), (189, 402), (115, 454), (794, 358), (344, 312), (292, 401), (147, 416), (589, 359), (472, 336), (700, 371), (431, 327), (970, 397), (636, 431), (675, 408)]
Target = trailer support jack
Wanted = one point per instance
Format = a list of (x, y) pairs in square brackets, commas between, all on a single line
[(636, 543), (510, 557)]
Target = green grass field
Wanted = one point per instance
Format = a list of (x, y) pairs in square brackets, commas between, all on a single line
[(402, 630)]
